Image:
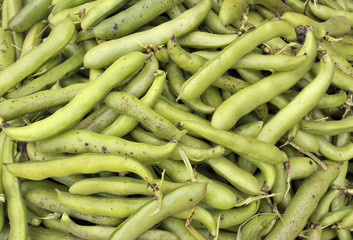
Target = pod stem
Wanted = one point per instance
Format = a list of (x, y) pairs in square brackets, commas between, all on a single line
[(307, 153)]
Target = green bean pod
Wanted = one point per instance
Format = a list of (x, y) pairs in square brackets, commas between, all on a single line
[(340, 62), (129, 105), (47, 199), (84, 141), (127, 21), (176, 79), (7, 51), (323, 12), (335, 216), (238, 177), (347, 222), (59, 122), (304, 203), (111, 207), (40, 233), (231, 11), (178, 227), (13, 7), (332, 127), (253, 228), (33, 37), (124, 124), (186, 197), (202, 40), (29, 63), (235, 216), (65, 4), (2, 206), (255, 61), (57, 73), (100, 11), (333, 152), (299, 107), (103, 232), (206, 75), (301, 167), (159, 35), (16, 208), (217, 195), (40, 101), (29, 15), (203, 216), (37, 170), (297, 19), (119, 186), (248, 98), (214, 24), (334, 26), (73, 13), (243, 145)]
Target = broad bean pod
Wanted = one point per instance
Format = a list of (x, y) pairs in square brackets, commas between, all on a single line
[(217, 195), (29, 15), (124, 124), (332, 127), (100, 11), (206, 75), (7, 53), (40, 233), (94, 163), (186, 197), (46, 198), (129, 105), (63, 70), (253, 228), (119, 186), (103, 232), (248, 98), (243, 145), (59, 121), (40, 101), (301, 167), (127, 21), (299, 106), (159, 35), (26, 65), (16, 208), (304, 203), (112, 207), (84, 141)]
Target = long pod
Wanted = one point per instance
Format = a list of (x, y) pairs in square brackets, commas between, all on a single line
[(244, 101), (240, 144), (80, 104), (213, 69), (304, 203), (174, 202), (112, 207), (127, 21), (84, 141), (26, 65), (16, 208), (106, 53)]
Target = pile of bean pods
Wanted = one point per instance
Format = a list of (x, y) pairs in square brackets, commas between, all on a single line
[(176, 119)]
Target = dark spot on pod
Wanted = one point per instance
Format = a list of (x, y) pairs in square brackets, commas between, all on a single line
[(115, 26), (104, 149)]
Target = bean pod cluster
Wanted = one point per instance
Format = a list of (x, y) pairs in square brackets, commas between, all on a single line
[(176, 119)]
